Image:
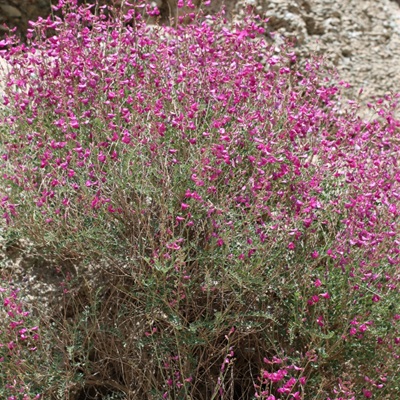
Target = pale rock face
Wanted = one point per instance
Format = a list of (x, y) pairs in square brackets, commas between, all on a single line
[(10, 11), (4, 68)]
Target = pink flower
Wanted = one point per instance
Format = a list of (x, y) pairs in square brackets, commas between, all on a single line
[(302, 380), (74, 124), (313, 300), (367, 393), (275, 376), (184, 206)]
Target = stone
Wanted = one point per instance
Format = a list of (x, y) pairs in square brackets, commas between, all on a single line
[(10, 11)]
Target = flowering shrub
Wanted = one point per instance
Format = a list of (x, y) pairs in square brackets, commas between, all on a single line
[(232, 211)]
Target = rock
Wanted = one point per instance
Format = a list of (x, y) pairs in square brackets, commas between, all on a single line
[(10, 11), (4, 67)]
